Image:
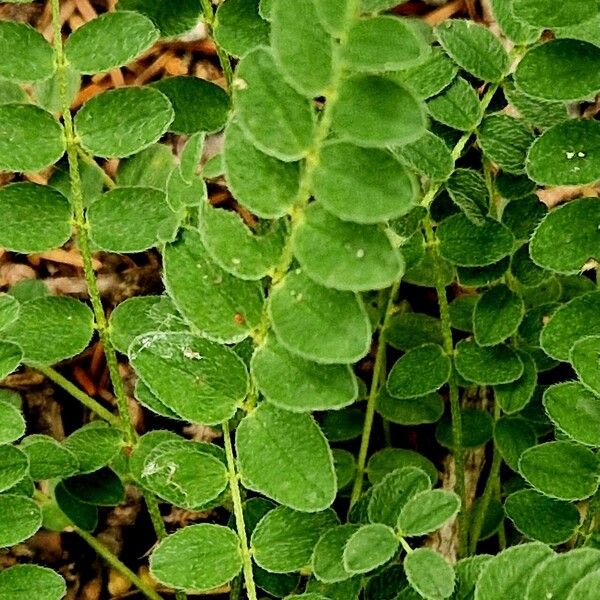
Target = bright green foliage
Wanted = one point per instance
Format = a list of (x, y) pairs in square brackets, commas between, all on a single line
[(575, 410), (427, 511), (293, 383), (474, 48), (363, 185), (468, 191), (477, 428), (408, 330), (21, 518), (284, 539), (151, 167), (94, 446), (172, 18), (542, 518), (547, 14), (74, 511), (11, 92), (345, 256), (10, 358), (299, 308), (41, 140), (13, 466), (65, 325), (22, 581), (422, 370), (513, 28), (111, 40), (510, 571), (429, 574), (239, 27), (328, 556), (514, 396), (102, 488), (269, 442), (217, 304), (586, 587), (561, 470), (430, 76), (48, 458), (124, 121), (212, 552), (202, 381), (584, 358), (12, 423), (430, 156), (186, 94), (512, 437), (389, 459), (505, 141), (457, 106), (411, 411), (497, 315), (27, 55), (369, 547), (487, 365)]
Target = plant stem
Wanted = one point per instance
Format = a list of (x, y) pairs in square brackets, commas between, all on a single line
[(379, 365), (89, 160), (80, 395), (238, 511), (116, 564), (209, 20)]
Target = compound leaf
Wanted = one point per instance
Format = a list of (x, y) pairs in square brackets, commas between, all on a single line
[(269, 442)]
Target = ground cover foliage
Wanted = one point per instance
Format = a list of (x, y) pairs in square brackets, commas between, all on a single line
[(393, 339)]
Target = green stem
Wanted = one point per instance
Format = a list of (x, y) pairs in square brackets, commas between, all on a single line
[(80, 395), (238, 511), (89, 160), (379, 365), (117, 565), (209, 20), (405, 545)]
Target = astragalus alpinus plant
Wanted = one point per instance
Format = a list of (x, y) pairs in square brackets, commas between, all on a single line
[(394, 341)]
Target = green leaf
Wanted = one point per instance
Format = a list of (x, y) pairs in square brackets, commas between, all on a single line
[(505, 140), (525, 271), (584, 358), (571, 322), (148, 399), (12, 423), (48, 458), (547, 14), (523, 215), (328, 556), (295, 384), (263, 184), (144, 446), (20, 518), (488, 365), (182, 194), (298, 307), (215, 547), (218, 305), (191, 156), (347, 175), (284, 539), (14, 465), (429, 155), (541, 518), (467, 245), (456, 106), (585, 588), (557, 576), (377, 112), (512, 437), (430, 76), (41, 139), (429, 574), (110, 41), (236, 248), (142, 314), (574, 66), (11, 356), (513, 397), (65, 324), (152, 167), (411, 411), (27, 56), (345, 256), (239, 28), (420, 371), (128, 219), (407, 330), (74, 511), (509, 572), (519, 32), (302, 48), (477, 429), (102, 488), (369, 547), (469, 192), (123, 121), (566, 154), (46, 212), (21, 582), (345, 467), (389, 459), (277, 119), (94, 445), (393, 492), (575, 411), (474, 48), (567, 238), (269, 442), (536, 112), (427, 511), (497, 315), (202, 381), (383, 43), (186, 94), (373, 6), (183, 473), (562, 470), (172, 18), (12, 93)]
